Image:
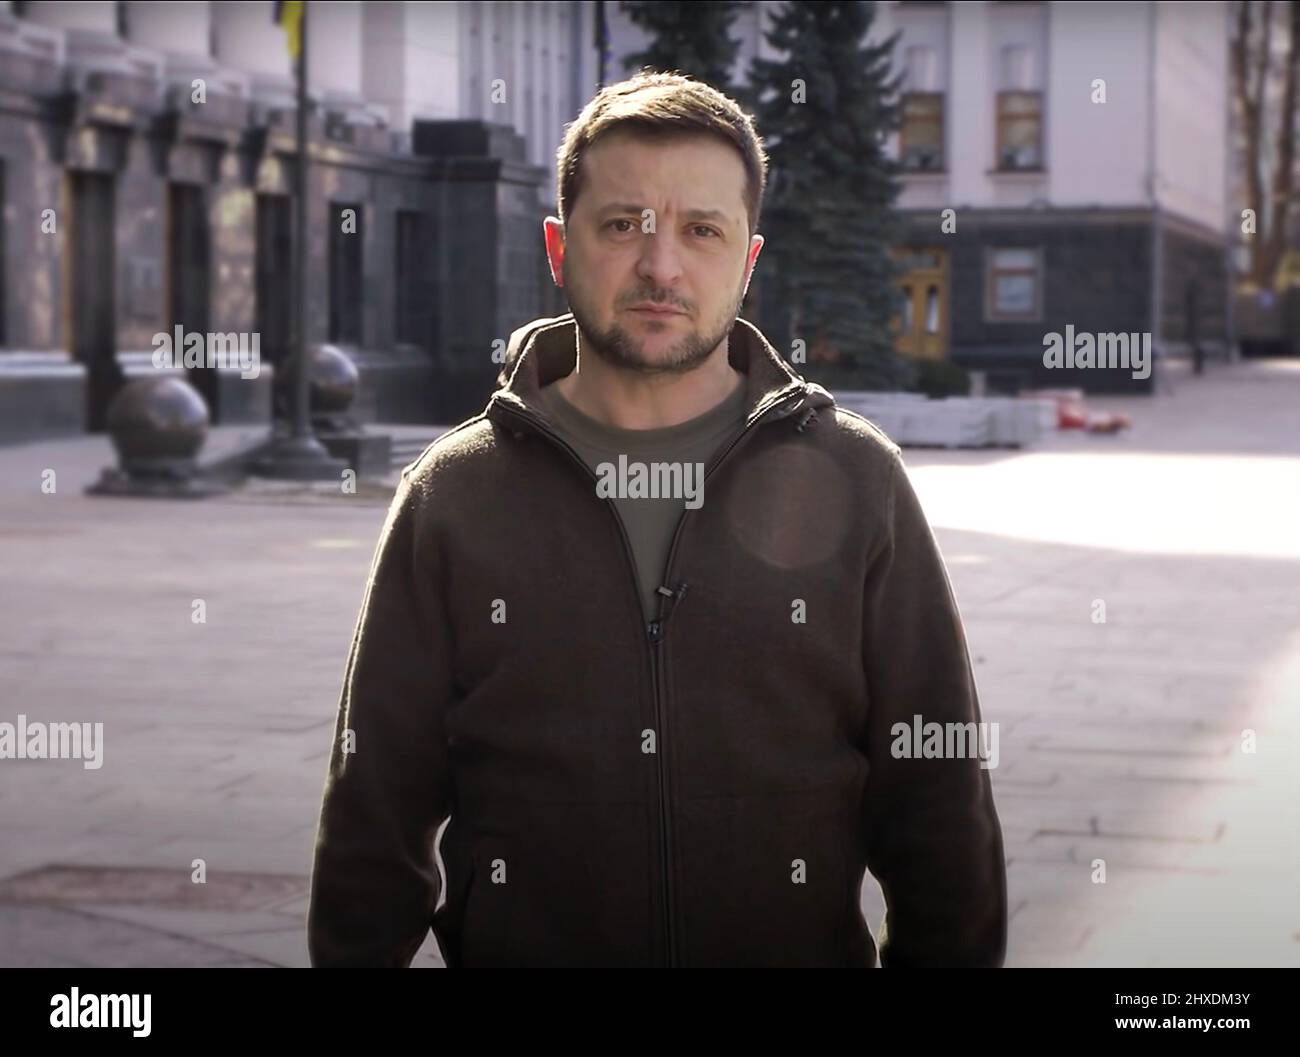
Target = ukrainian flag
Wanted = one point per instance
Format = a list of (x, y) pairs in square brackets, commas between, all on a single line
[(288, 15)]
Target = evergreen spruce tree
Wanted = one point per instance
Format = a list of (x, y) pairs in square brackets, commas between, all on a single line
[(689, 38), (824, 109)]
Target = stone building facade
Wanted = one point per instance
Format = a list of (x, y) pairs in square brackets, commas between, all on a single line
[(147, 160)]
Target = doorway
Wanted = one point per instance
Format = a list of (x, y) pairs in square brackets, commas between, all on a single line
[(90, 290), (921, 329), (190, 278), (274, 291)]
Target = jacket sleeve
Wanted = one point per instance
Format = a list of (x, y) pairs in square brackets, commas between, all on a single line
[(933, 837), (374, 883)]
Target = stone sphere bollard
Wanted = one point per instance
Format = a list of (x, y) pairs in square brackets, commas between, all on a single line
[(157, 426), (332, 384), (333, 380)]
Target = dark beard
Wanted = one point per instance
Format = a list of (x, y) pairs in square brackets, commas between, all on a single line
[(618, 348)]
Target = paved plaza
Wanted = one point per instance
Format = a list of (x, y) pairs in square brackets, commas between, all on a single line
[(1161, 745)]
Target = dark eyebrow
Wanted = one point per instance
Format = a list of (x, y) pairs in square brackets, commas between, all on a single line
[(621, 207), (708, 214), (691, 214)]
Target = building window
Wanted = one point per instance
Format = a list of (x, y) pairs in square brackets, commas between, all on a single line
[(345, 272), (1014, 286), (412, 306), (273, 282), (1020, 131), (921, 133)]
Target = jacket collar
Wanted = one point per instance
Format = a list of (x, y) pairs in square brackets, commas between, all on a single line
[(547, 350)]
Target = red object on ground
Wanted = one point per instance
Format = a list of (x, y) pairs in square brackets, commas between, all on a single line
[(1070, 412), (1106, 422), (1070, 415)]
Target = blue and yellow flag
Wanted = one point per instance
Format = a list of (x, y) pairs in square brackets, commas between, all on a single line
[(288, 15)]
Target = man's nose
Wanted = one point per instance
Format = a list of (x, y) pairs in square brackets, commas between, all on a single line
[(661, 261)]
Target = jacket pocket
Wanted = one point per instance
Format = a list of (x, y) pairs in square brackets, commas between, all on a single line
[(764, 879)]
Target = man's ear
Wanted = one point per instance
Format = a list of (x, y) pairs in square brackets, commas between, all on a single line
[(755, 248), (553, 233)]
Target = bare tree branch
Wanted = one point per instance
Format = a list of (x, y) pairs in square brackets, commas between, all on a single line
[(1250, 127), (1284, 167), (1265, 56)]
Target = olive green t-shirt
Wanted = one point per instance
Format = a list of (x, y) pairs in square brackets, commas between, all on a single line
[(651, 474)]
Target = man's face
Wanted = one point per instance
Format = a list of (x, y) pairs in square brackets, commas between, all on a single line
[(691, 252)]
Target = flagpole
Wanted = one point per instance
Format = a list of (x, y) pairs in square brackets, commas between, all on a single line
[(300, 456), (602, 42)]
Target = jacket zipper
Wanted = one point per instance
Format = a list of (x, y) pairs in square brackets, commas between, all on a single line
[(655, 636), (654, 631), (659, 663)]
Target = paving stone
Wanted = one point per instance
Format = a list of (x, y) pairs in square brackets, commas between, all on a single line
[(58, 937)]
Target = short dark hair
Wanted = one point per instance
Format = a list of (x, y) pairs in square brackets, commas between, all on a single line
[(661, 104)]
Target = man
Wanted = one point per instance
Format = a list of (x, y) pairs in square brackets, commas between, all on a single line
[(640, 632)]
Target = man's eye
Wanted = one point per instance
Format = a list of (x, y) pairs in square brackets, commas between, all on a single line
[(698, 227)]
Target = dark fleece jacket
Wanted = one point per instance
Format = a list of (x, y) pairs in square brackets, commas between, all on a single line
[(704, 790)]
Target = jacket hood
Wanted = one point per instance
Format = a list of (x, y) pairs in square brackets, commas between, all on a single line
[(545, 350)]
